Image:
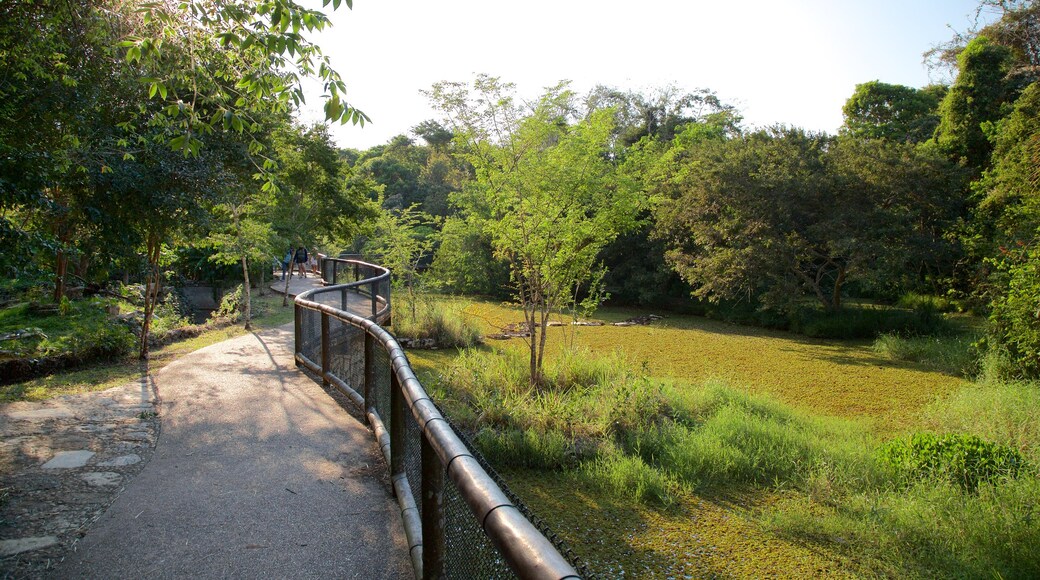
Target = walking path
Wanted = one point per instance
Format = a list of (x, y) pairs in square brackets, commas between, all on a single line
[(257, 472)]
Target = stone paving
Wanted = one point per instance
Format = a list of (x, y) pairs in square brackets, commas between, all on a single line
[(62, 463)]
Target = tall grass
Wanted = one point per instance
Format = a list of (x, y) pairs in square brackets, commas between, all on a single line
[(446, 326), (652, 442), (951, 354)]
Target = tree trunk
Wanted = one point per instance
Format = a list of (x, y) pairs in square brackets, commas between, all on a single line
[(61, 263), (60, 268), (533, 344), (288, 276), (151, 290), (247, 302), (544, 325), (836, 294)]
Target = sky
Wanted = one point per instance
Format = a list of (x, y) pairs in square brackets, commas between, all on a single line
[(778, 61)]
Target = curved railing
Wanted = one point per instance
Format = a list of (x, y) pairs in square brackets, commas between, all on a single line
[(459, 526)]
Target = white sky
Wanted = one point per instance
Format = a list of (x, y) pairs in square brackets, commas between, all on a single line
[(778, 61)]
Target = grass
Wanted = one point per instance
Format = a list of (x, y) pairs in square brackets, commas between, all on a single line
[(697, 478), (268, 312), (954, 354), (835, 378), (440, 321)]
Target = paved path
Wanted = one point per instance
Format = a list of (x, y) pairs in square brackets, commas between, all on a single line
[(257, 473)]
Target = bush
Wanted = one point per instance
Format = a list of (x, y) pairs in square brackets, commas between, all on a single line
[(964, 460), (231, 305), (1015, 320), (861, 322)]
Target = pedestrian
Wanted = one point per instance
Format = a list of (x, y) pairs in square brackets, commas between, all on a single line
[(286, 260), (301, 260)]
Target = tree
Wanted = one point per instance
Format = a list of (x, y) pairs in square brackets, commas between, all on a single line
[(661, 113), (878, 110), (780, 212), (978, 97), (229, 64), (319, 201), (1009, 216), (546, 192), (244, 240), (404, 240)]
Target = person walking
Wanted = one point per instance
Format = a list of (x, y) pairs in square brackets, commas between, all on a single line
[(301, 260)]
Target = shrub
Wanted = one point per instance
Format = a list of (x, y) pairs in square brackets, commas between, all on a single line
[(231, 305), (965, 460), (1015, 320), (860, 322)]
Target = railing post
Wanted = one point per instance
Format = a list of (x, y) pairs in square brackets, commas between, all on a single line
[(356, 278), (397, 429), (297, 319), (335, 266), (432, 512), (370, 378), (343, 299), (325, 359), (375, 303)]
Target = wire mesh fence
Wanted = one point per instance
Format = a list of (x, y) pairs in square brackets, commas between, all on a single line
[(460, 520)]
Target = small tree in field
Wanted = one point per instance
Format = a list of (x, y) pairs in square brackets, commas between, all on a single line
[(244, 239), (546, 189), (403, 239)]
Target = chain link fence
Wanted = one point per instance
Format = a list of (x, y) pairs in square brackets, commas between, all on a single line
[(460, 519)]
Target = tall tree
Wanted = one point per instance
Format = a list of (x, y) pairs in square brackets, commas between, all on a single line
[(878, 110), (546, 189), (781, 212), (979, 96)]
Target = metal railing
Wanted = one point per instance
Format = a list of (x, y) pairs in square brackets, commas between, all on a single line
[(458, 521)]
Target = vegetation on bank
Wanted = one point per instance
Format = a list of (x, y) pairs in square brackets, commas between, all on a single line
[(111, 368), (948, 494)]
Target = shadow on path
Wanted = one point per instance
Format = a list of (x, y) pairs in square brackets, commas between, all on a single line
[(257, 472)]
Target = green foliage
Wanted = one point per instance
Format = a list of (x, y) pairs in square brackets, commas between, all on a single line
[(231, 305), (867, 322), (717, 436), (878, 110), (1005, 412), (628, 476), (964, 460), (465, 261), (448, 327), (230, 66), (546, 193), (780, 213), (951, 354), (528, 449), (976, 98), (924, 302), (932, 529), (84, 331)]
